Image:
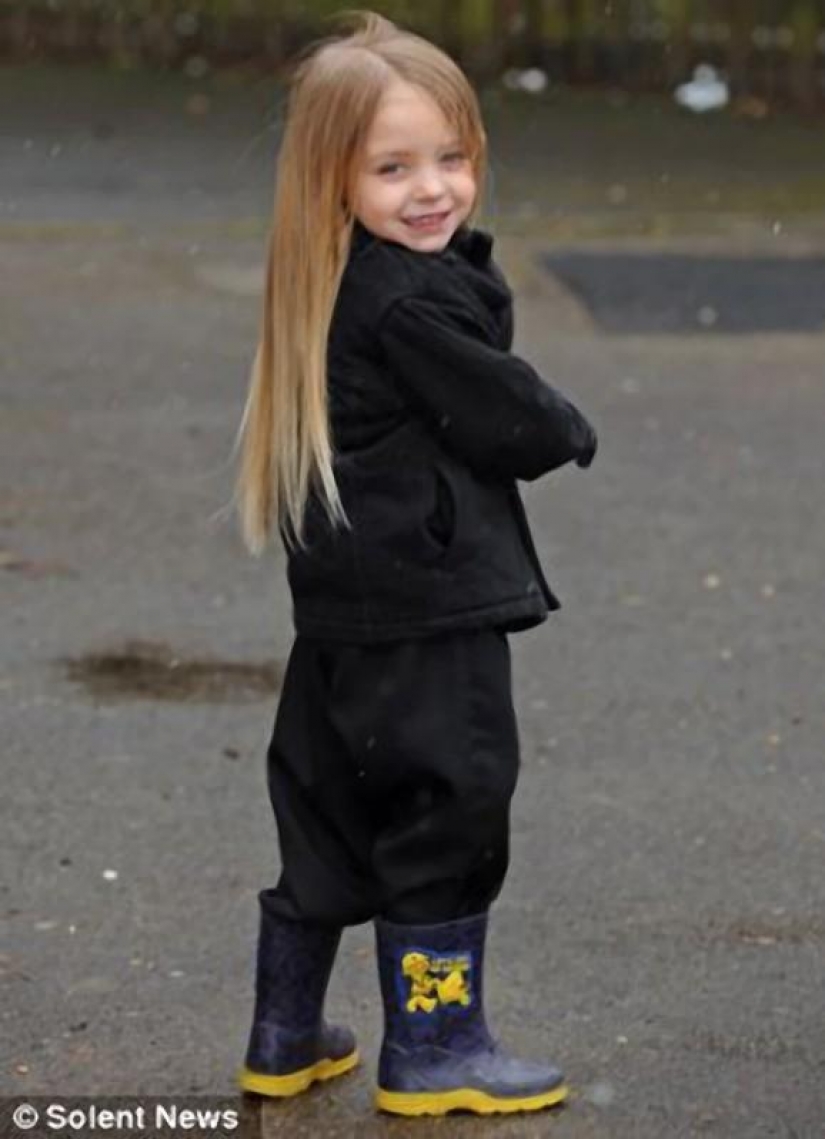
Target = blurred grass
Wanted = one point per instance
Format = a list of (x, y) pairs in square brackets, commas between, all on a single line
[(621, 162)]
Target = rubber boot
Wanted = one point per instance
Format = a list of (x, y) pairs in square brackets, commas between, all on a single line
[(291, 1046), (438, 1054)]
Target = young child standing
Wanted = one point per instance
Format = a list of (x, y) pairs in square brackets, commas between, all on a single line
[(386, 428)]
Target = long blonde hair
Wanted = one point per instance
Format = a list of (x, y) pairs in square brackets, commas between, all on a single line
[(286, 450)]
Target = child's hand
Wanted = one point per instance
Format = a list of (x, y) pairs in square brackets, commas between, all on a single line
[(586, 457)]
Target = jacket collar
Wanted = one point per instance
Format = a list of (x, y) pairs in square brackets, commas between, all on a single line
[(474, 244), (361, 237)]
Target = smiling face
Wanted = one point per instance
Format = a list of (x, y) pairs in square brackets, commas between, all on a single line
[(415, 183)]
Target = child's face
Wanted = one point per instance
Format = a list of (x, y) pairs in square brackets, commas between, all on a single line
[(415, 184)]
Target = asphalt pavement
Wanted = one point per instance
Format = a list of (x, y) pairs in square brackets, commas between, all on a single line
[(662, 931)]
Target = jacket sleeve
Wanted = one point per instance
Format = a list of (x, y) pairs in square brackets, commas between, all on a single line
[(488, 406)]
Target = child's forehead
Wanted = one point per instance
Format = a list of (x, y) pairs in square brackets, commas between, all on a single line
[(408, 118)]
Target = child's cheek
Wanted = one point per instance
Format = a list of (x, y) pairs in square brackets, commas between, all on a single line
[(393, 198), (472, 189)]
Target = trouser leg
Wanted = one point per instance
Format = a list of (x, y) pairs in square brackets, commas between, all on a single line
[(391, 770), (433, 733), (324, 829)]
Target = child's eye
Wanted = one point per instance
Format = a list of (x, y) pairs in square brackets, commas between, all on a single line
[(390, 168), (454, 158)]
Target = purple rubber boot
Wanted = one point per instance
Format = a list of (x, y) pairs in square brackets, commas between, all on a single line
[(291, 1046), (438, 1054)]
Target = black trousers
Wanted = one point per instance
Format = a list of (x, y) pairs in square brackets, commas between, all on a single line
[(391, 770)]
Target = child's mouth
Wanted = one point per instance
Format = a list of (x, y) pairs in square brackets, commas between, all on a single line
[(427, 223)]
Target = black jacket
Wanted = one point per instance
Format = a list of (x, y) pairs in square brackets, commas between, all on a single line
[(433, 420)]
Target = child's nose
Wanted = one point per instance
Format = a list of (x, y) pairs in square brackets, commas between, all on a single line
[(429, 184)]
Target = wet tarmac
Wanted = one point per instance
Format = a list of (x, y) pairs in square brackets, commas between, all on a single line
[(661, 933)]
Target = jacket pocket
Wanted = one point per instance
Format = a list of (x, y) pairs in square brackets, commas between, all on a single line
[(440, 522)]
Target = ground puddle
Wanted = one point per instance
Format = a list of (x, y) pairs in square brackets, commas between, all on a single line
[(151, 670)]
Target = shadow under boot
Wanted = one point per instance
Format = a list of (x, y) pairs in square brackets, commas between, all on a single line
[(438, 1055), (290, 1045)]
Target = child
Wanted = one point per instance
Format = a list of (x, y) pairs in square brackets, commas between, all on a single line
[(386, 426)]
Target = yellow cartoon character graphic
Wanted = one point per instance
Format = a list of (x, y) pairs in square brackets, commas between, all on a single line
[(435, 980), (416, 967), (453, 989)]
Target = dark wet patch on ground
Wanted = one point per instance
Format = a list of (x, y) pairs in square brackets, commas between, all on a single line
[(676, 293), (758, 932), (765, 1045), (32, 568), (151, 670), (787, 930)]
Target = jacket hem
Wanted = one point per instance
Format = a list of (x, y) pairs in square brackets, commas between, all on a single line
[(510, 616)]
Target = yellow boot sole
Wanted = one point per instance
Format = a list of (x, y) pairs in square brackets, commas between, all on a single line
[(296, 1082), (464, 1099)]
